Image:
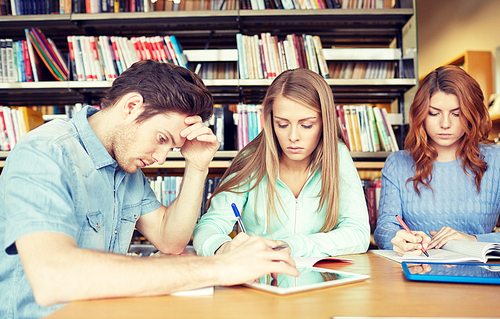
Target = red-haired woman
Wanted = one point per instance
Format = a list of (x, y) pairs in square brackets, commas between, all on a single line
[(445, 185)]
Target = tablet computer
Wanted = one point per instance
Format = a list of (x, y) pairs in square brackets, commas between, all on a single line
[(477, 273), (310, 278)]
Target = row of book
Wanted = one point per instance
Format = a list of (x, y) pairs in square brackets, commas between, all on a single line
[(265, 57), (195, 5), (15, 122), (290, 4), (90, 58), (7, 62), (362, 70), (366, 128), (371, 188), (29, 7), (249, 119), (21, 61), (166, 189), (50, 112), (104, 58), (215, 70), (235, 125), (31, 60)]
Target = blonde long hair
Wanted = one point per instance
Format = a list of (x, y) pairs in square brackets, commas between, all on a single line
[(261, 156)]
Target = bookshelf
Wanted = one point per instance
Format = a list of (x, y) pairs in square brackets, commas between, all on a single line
[(356, 29), (477, 64)]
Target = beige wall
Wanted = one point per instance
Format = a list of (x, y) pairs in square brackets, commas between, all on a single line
[(447, 28)]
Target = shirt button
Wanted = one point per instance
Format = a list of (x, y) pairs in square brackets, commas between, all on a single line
[(135, 216), (98, 225), (116, 232)]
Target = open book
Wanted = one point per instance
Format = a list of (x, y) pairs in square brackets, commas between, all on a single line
[(311, 261), (453, 251)]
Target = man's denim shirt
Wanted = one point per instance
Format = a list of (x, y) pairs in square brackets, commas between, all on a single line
[(61, 179)]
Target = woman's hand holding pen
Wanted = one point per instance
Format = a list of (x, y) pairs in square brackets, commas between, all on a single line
[(407, 243), (446, 234), (243, 237), (230, 245)]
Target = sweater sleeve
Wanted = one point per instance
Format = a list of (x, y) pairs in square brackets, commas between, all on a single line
[(389, 205), (352, 233), (215, 225)]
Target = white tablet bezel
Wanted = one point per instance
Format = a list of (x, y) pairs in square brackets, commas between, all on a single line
[(325, 284)]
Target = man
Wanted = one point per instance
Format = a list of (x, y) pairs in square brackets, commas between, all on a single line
[(71, 194)]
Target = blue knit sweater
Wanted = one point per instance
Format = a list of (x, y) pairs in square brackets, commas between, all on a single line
[(455, 202)]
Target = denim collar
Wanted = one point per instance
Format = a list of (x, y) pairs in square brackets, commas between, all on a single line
[(90, 141)]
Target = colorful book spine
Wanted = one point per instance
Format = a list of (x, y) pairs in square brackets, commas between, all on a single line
[(373, 128), (389, 129), (384, 137)]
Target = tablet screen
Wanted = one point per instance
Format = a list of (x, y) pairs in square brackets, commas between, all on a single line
[(310, 278), (457, 272)]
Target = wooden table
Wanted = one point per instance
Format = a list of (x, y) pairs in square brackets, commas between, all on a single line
[(386, 294)]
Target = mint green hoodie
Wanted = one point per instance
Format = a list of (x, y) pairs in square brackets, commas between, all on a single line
[(299, 221)]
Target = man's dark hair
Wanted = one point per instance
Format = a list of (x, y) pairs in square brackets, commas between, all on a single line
[(164, 88)]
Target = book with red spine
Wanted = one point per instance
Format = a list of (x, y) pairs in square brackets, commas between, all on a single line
[(27, 62)]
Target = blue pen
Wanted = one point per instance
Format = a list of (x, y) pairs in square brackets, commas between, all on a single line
[(240, 222), (238, 216)]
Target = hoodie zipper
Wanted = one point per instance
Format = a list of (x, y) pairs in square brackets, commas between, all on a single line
[(296, 211), (296, 202)]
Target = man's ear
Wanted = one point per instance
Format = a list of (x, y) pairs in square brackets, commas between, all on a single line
[(132, 105)]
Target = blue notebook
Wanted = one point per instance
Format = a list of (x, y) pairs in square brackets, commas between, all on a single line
[(477, 273)]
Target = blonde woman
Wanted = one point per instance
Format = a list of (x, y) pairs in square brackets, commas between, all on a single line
[(295, 182)]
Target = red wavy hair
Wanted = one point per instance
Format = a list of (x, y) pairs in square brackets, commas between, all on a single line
[(474, 118)]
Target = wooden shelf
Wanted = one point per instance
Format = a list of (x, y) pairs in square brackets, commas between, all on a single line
[(71, 92), (222, 160), (477, 64)]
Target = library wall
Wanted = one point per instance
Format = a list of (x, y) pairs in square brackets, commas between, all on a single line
[(447, 28)]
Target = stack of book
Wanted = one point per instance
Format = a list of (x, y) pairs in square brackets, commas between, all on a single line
[(366, 128), (266, 57), (15, 123), (36, 58), (104, 58)]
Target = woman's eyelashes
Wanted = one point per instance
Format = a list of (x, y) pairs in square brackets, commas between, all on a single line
[(306, 126)]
